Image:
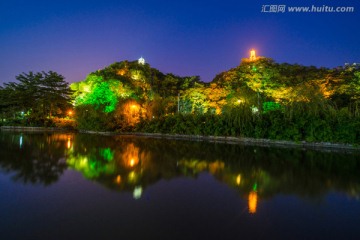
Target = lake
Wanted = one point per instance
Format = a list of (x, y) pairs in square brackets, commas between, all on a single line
[(77, 186)]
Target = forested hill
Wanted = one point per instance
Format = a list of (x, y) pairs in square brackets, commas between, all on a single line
[(126, 80), (286, 83), (252, 82), (259, 98)]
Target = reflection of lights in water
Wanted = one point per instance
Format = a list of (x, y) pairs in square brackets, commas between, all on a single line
[(238, 179), (137, 192), (132, 176), (132, 162), (131, 155), (118, 179), (83, 162), (21, 141), (68, 143), (216, 166), (252, 202)]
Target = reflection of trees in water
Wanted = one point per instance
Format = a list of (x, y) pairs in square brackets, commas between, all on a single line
[(283, 170), (37, 158), (142, 162), (131, 164)]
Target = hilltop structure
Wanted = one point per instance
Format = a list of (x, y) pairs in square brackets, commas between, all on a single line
[(141, 61), (252, 55)]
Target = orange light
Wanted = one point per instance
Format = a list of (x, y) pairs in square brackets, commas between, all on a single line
[(252, 202), (70, 113), (68, 143), (118, 179), (252, 55), (131, 155), (121, 72), (132, 162)]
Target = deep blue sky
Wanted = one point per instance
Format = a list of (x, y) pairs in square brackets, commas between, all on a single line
[(184, 37)]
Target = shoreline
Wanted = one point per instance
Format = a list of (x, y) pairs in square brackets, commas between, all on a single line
[(219, 139), (33, 129), (244, 141)]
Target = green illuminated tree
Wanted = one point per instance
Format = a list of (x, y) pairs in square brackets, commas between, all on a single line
[(102, 97)]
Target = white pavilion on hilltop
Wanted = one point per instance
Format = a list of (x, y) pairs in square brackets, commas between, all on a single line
[(141, 61)]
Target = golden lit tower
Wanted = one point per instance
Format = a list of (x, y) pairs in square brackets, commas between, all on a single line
[(252, 55)]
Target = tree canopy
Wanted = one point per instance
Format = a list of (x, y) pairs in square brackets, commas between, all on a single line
[(36, 97)]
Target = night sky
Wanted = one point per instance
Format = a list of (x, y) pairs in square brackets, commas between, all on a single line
[(183, 37)]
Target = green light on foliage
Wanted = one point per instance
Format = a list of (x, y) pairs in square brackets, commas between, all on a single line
[(271, 106), (101, 96), (255, 187)]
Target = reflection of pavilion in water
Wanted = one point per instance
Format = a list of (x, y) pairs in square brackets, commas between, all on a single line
[(218, 170)]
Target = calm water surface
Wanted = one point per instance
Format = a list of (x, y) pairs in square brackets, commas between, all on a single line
[(73, 186)]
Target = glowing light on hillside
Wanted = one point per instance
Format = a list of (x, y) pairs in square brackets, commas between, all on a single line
[(86, 88), (121, 72), (239, 101), (252, 55), (136, 75), (131, 112), (70, 113)]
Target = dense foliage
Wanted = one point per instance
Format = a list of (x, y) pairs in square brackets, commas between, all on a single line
[(259, 98), (122, 94), (35, 100), (296, 122)]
